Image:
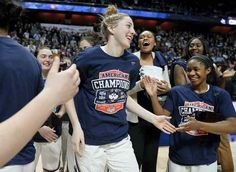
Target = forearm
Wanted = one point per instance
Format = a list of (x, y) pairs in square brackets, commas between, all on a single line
[(222, 127), (62, 110), (139, 110), (136, 88), (157, 108), (71, 111), (20, 128)]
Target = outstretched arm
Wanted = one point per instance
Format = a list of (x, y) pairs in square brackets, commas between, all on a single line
[(222, 127), (16, 131), (159, 121)]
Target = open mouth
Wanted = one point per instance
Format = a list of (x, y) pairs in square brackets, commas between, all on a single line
[(146, 43)]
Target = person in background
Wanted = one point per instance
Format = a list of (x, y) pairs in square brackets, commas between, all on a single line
[(200, 112), (90, 39), (47, 141), (145, 136), (65, 125)]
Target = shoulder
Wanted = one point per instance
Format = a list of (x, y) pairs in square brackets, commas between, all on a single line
[(217, 91), (179, 88), (137, 53), (87, 54), (128, 56)]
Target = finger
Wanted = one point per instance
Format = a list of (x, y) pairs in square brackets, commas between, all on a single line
[(49, 139), (167, 117), (180, 129), (76, 76), (72, 69), (55, 65), (163, 130), (52, 130), (169, 129), (77, 149)]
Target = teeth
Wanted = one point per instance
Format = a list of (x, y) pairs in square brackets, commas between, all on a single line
[(145, 43)]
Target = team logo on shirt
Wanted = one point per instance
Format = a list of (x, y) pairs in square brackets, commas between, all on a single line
[(111, 88), (190, 109)]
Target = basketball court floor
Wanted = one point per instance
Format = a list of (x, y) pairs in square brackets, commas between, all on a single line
[(163, 157)]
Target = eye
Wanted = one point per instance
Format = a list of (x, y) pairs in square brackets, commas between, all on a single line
[(188, 70), (128, 25), (43, 56)]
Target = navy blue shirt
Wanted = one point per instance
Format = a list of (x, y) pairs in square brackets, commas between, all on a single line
[(101, 100), (195, 147), (20, 81)]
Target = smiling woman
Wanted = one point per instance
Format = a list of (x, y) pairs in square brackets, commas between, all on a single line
[(144, 136), (196, 139), (107, 73)]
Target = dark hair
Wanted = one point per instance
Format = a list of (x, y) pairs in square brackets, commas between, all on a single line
[(203, 59), (204, 44), (9, 13), (92, 37), (208, 62), (155, 47)]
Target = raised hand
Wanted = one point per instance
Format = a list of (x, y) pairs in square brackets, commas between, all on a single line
[(62, 85), (162, 87), (150, 86)]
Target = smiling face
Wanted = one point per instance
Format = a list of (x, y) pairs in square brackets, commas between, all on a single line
[(197, 72), (45, 59), (196, 47), (123, 32), (146, 42)]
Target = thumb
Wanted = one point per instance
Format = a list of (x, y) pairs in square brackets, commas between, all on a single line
[(55, 65)]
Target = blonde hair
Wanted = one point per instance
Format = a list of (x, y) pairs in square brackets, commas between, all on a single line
[(111, 17)]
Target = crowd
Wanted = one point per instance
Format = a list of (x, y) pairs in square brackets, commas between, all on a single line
[(170, 42), (197, 8), (108, 77)]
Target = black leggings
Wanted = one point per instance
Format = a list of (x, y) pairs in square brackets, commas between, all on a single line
[(145, 139)]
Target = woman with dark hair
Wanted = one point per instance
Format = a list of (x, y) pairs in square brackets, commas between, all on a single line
[(202, 112), (178, 76), (144, 136), (196, 45)]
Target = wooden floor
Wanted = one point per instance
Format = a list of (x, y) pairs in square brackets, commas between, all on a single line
[(162, 158), (163, 152)]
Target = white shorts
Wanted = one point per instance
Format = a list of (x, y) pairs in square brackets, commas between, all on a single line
[(50, 154), (115, 156), (19, 168), (173, 167)]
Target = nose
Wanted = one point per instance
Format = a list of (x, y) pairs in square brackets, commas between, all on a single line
[(133, 31), (191, 72), (194, 47)]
